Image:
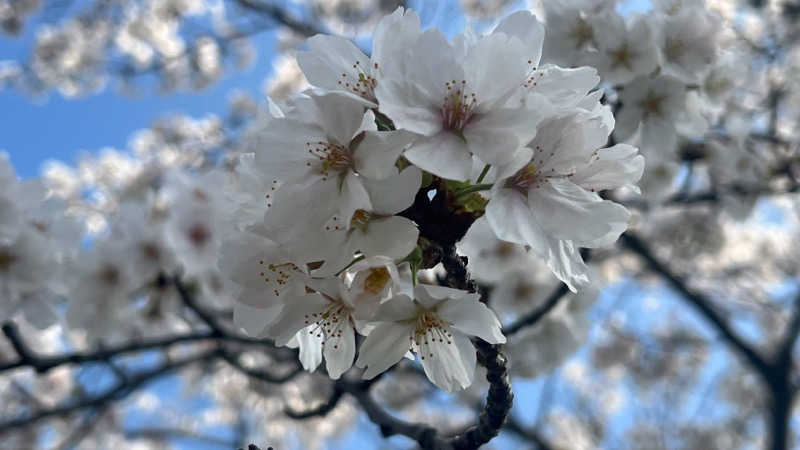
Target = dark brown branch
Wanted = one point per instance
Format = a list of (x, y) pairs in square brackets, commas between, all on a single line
[(498, 402), (321, 410), (43, 364), (121, 390), (699, 301), (279, 16), (537, 314)]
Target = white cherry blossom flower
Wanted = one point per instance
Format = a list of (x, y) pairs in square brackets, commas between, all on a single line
[(435, 325), (547, 198), (455, 94), (261, 272), (624, 50), (655, 103), (688, 42), (311, 229), (325, 319), (336, 64), (329, 139)]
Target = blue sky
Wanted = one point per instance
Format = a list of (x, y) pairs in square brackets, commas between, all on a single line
[(34, 130)]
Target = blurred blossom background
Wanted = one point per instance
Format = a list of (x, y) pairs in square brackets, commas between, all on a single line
[(686, 341)]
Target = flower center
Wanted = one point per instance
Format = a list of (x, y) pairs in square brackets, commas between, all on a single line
[(328, 324), (376, 280), (525, 178), (361, 219), (652, 105), (429, 330), (457, 106), (6, 258), (277, 276), (331, 157), (364, 83), (622, 56), (582, 33), (109, 275), (674, 49)]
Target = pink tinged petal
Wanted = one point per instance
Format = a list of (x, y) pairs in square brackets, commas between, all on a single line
[(393, 236), (383, 348), (377, 153), (511, 220), (340, 116), (295, 316), (528, 29), (443, 154), (310, 348), (472, 317), (254, 321), (339, 351), (450, 365), (567, 211), (395, 193), (611, 168)]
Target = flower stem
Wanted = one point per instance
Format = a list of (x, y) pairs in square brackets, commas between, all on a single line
[(474, 188), (484, 172)]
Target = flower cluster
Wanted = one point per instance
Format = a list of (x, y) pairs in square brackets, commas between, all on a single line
[(331, 219), (341, 173)]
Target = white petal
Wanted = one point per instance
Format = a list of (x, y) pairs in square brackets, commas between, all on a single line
[(450, 366), (354, 197), (397, 308), (611, 168), (340, 116), (659, 134), (511, 219), (385, 346), (567, 211), (443, 154), (310, 348), (525, 26), (294, 317), (495, 66), (254, 321), (329, 58), (396, 193), (339, 352), (393, 236), (378, 151), (472, 317)]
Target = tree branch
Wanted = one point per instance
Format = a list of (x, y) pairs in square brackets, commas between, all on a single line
[(704, 305), (537, 314), (119, 391)]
